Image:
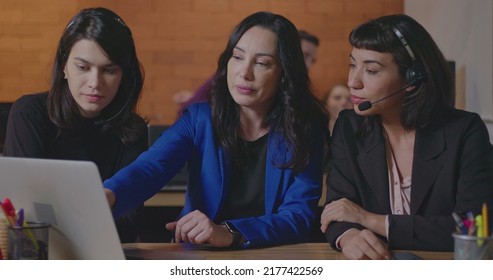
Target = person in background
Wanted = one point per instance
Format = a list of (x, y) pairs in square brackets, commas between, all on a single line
[(336, 99), (184, 98), (404, 160), (89, 112), (309, 45), (255, 166)]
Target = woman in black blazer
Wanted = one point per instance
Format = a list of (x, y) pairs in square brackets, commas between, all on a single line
[(404, 159)]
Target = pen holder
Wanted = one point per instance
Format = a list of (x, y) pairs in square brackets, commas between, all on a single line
[(3, 237), (29, 241), (472, 248)]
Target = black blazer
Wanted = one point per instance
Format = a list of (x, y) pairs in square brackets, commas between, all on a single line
[(451, 173)]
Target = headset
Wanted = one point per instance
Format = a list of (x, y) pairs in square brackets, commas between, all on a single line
[(415, 74)]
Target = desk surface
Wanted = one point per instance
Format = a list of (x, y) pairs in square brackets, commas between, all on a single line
[(167, 199), (302, 251)]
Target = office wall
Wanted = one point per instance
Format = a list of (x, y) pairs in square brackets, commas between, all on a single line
[(178, 41), (464, 32)]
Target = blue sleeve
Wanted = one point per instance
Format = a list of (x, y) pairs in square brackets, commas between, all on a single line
[(144, 177)]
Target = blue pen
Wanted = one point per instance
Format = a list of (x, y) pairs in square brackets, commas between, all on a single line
[(20, 217), (458, 222)]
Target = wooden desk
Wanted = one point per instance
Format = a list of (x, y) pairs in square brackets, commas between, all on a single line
[(303, 251), (167, 199)]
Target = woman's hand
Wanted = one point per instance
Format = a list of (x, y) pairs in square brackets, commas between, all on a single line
[(110, 196), (342, 210), (363, 245), (182, 97), (197, 228)]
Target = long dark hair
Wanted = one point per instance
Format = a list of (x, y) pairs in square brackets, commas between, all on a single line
[(110, 32), (431, 98), (295, 113)]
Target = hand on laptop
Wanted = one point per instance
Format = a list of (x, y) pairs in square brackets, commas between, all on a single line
[(110, 196), (196, 228)]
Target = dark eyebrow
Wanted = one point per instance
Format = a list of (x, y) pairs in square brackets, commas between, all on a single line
[(368, 61), (87, 62), (257, 54)]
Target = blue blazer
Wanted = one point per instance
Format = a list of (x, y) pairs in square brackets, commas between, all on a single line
[(290, 199)]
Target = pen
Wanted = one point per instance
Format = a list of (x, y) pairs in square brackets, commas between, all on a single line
[(479, 229), (20, 217), (30, 235), (479, 225), (472, 226), (458, 222), (8, 210), (485, 220)]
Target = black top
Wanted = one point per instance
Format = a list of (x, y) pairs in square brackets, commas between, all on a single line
[(30, 133), (246, 194), (4, 113)]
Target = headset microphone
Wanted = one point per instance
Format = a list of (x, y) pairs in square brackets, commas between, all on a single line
[(366, 105), (102, 122)]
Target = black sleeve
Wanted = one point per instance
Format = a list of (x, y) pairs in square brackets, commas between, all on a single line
[(340, 180), (28, 128)]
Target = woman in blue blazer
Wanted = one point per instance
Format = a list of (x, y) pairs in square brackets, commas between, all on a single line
[(255, 151), (404, 159)]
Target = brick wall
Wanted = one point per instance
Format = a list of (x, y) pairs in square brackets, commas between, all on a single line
[(178, 41)]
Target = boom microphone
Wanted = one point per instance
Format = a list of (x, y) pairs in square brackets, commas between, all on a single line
[(366, 105)]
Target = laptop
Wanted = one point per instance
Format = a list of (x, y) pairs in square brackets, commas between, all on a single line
[(68, 195), (180, 181)]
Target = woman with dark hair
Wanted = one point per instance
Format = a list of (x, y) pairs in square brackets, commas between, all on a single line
[(184, 98), (89, 112), (254, 151), (404, 160)]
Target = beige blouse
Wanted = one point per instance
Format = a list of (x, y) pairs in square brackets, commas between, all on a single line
[(399, 189)]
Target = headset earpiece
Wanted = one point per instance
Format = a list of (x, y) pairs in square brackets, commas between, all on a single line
[(416, 73)]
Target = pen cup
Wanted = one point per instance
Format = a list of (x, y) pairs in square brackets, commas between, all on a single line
[(28, 242), (472, 248)]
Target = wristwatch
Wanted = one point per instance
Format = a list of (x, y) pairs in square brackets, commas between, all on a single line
[(238, 238)]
